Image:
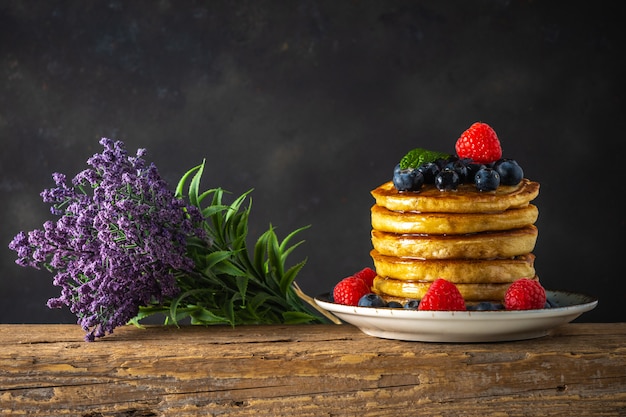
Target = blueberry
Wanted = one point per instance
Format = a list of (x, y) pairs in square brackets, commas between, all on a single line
[(418, 181), (510, 171), (487, 179), (485, 306), (441, 162), (429, 170), (409, 179), (372, 300), (412, 304), (394, 304), (460, 168), (447, 180), (473, 168)]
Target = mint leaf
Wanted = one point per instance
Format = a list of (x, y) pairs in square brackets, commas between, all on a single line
[(419, 156)]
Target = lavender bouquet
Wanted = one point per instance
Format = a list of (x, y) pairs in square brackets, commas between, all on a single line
[(126, 247)]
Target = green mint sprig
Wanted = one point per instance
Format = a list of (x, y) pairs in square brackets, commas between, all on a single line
[(230, 284), (419, 156)]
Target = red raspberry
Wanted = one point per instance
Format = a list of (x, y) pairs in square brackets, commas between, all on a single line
[(349, 290), (525, 294), (367, 275), (479, 143), (442, 295)]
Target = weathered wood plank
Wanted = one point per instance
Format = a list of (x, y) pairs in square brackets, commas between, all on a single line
[(309, 370)]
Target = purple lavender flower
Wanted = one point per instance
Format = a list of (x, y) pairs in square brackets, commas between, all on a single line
[(119, 243)]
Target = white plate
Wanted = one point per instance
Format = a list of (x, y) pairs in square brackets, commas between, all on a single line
[(462, 326)]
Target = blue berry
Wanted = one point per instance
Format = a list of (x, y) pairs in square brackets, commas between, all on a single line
[(447, 180), (394, 304), (473, 168), (460, 168), (429, 170), (409, 179), (412, 304), (485, 306), (441, 162), (487, 179), (372, 300), (510, 171)]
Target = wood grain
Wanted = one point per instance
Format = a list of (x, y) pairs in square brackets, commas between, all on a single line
[(308, 370)]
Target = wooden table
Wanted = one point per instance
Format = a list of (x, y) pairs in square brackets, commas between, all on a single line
[(307, 370)]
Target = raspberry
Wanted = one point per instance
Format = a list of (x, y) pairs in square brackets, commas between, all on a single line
[(525, 294), (442, 295), (367, 275), (349, 290), (479, 143)]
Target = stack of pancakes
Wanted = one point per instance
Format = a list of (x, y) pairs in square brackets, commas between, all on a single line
[(480, 241)]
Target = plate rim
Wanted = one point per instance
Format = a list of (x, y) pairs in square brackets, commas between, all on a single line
[(589, 304), (524, 324)]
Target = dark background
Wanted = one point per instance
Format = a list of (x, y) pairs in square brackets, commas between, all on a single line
[(312, 103)]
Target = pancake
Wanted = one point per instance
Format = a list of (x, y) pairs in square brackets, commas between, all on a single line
[(461, 271), (398, 290), (464, 200), (485, 245), (386, 220)]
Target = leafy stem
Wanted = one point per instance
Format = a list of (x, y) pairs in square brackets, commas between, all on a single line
[(230, 284)]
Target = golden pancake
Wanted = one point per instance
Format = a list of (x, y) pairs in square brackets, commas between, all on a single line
[(485, 245), (458, 271), (451, 223), (402, 290), (464, 200)]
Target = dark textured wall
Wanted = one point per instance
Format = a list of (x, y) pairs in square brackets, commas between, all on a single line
[(312, 103)]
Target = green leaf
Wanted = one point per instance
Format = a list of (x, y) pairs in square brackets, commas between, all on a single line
[(144, 312), (285, 253), (204, 195), (289, 276), (203, 316), (288, 238), (257, 300), (242, 285), (217, 218), (230, 309), (260, 249), (181, 184), (212, 259), (176, 301), (419, 156), (194, 186), (236, 205), (227, 267), (274, 255), (297, 317), (213, 210)]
